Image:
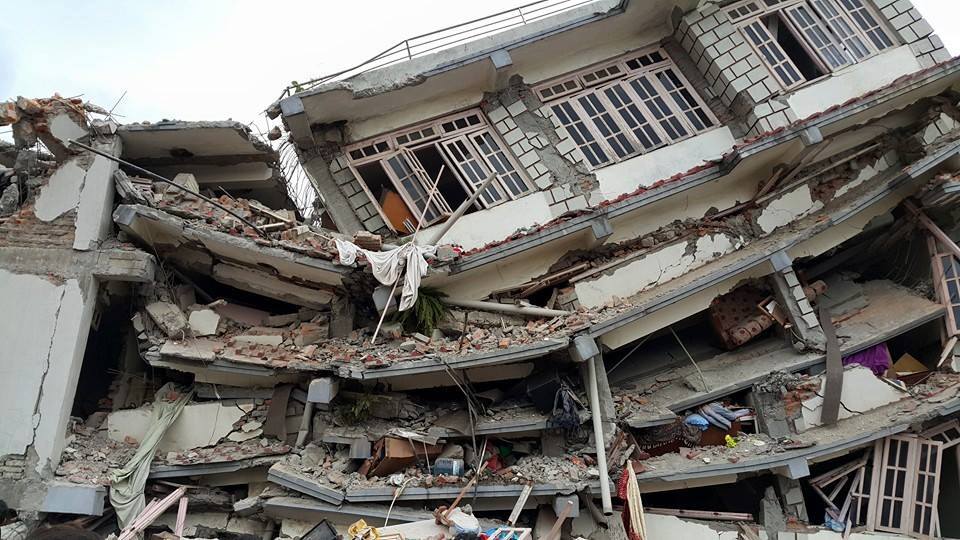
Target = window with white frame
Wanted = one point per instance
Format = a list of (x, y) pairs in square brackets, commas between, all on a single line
[(456, 153), (802, 40), (626, 107)]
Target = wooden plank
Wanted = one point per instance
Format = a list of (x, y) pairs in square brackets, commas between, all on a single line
[(700, 514), (181, 517), (832, 476), (830, 411), (554, 533), (947, 352), (518, 507)]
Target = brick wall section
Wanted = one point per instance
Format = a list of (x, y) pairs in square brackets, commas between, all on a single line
[(352, 189), (522, 121), (737, 76), (12, 466), (24, 229), (914, 30), (523, 144), (732, 70)]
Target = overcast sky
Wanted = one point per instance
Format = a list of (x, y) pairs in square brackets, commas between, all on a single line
[(218, 59)]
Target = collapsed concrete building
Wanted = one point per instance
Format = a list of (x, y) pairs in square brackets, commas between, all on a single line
[(706, 254)]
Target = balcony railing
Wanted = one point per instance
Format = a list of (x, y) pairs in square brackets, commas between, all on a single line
[(425, 44)]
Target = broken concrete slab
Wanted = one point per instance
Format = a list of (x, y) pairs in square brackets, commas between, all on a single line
[(169, 318), (200, 424), (79, 499), (862, 392), (204, 322)]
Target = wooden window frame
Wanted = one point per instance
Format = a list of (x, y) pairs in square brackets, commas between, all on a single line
[(942, 285), (398, 142), (628, 74), (915, 446), (825, 22)]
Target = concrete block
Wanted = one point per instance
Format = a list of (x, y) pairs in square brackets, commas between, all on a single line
[(261, 339), (584, 348), (323, 390), (566, 145), (561, 501), (781, 261), (66, 498), (360, 449), (497, 114), (501, 59), (601, 228), (168, 317), (204, 322), (513, 137), (199, 424), (528, 159), (516, 108)]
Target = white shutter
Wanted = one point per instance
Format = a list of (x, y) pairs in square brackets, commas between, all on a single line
[(858, 47), (817, 37), (473, 170), (772, 54)]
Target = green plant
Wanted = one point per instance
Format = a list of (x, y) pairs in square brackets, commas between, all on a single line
[(355, 412), (426, 313)]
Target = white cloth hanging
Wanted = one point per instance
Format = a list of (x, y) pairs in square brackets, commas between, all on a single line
[(387, 265)]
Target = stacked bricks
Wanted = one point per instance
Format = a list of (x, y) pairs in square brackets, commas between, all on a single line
[(352, 189), (914, 30)]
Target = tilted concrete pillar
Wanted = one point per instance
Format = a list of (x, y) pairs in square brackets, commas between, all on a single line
[(793, 299)]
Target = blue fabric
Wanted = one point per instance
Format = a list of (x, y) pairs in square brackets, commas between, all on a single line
[(698, 421)]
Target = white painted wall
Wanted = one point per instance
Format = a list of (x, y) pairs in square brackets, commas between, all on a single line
[(786, 208), (673, 527), (647, 169), (480, 228), (44, 339), (854, 81), (95, 207), (62, 192), (653, 269)]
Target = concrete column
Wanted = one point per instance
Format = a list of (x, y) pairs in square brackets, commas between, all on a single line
[(334, 201), (791, 498), (792, 298)]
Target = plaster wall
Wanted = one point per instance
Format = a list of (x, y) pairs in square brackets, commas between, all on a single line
[(680, 309), (787, 208), (654, 269), (62, 191), (44, 340), (693, 203), (95, 207), (443, 103), (480, 228), (854, 81), (647, 169), (476, 284)]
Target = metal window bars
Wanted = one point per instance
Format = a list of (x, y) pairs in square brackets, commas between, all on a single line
[(444, 38)]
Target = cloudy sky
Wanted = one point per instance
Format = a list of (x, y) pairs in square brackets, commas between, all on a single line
[(220, 59)]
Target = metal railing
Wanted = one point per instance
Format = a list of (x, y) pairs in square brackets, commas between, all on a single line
[(444, 38)]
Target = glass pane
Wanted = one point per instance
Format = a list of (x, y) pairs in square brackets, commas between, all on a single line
[(605, 125), (580, 134)]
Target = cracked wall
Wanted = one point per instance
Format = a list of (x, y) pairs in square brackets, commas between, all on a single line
[(655, 268), (44, 340)]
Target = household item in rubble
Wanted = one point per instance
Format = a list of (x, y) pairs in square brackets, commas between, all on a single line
[(323, 531), (462, 523), (448, 466), (542, 389)]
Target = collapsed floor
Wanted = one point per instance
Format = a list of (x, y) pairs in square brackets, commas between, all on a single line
[(262, 368)]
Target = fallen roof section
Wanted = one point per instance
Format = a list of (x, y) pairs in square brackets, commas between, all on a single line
[(238, 261), (738, 370), (749, 158)]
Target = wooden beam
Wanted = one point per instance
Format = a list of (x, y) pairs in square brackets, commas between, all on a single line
[(700, 514), (830, 411)]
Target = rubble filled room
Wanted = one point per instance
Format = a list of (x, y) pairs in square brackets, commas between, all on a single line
[(698, 277)]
